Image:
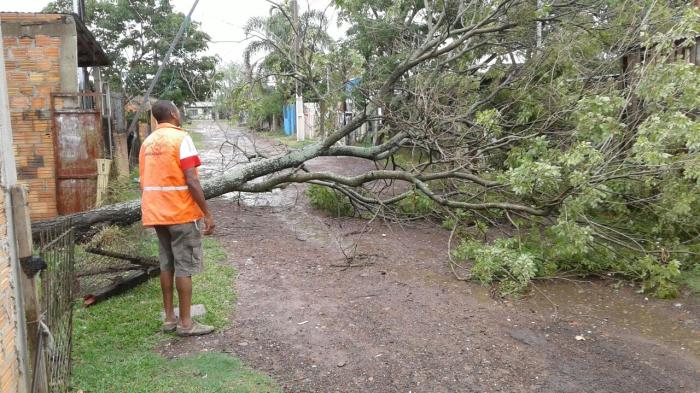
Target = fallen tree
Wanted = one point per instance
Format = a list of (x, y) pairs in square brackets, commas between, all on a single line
[(483, 22), (510, 124)]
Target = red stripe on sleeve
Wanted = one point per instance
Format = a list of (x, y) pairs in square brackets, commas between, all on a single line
[(190, 162)]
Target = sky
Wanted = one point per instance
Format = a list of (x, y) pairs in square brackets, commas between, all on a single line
[(223, 20)]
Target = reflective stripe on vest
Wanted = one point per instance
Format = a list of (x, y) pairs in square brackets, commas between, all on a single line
[(167, 188)]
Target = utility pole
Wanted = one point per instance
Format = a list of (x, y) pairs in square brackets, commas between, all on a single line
[(539, 26), (299, 99), (135, 120), (83, 75)]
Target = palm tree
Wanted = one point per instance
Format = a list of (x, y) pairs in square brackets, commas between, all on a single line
[(290, 45)]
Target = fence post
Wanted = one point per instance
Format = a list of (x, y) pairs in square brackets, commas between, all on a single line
[(32, 308)]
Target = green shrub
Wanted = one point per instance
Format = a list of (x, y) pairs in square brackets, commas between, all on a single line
[(330, 201)]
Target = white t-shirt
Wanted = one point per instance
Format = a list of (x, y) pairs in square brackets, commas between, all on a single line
[(188, 154)]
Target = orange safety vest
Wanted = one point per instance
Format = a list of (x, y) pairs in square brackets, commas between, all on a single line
[(166, 199)]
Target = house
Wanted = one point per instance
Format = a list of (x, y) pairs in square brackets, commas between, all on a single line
[(200, 110), (348, 108), (682, 51), (56, 123)]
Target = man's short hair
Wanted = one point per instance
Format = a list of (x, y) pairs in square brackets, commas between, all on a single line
[(163, 110)]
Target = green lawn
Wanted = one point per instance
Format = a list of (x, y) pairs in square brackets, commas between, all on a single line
[(114, 341)]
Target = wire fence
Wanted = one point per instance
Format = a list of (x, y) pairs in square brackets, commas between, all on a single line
[(57, 249)]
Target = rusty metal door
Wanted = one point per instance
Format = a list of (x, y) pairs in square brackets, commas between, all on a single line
[(78, 143)]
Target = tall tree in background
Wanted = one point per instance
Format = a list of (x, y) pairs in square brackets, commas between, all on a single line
[(292, 46), (135, 34)]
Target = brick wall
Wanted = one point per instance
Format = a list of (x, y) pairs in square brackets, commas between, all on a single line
[(32, 64), (9, 360)]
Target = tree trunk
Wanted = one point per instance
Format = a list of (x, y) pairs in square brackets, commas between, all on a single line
[(322, 118), (142, 261), (129, 212)]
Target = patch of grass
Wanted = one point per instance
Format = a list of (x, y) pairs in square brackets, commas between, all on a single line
[(114, 341), (290, 140)]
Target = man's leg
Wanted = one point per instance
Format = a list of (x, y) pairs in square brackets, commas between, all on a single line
[(167, 272), (166, 286), (184, 293), (187, 248)]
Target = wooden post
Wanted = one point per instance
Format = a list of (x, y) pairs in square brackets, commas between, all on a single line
[(121, 155), (32, 308)]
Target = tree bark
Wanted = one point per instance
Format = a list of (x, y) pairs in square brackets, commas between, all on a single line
[(142, 261), (121, 285)]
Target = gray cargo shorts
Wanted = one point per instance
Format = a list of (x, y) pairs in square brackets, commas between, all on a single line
[(180, 248)]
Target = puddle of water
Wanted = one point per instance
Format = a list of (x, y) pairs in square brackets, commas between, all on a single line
[(675, 323)]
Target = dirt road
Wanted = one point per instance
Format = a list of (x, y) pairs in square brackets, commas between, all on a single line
[(402, 323)]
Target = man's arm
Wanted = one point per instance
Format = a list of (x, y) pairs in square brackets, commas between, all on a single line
[(195, 188)]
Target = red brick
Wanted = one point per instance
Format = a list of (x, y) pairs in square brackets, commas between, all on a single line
[(39, 103), (19, 102), (26, 41), (44, 41), (37, 77), (52, 52), (9, 41), (18, 53), (41, 126), (43, 65), (17, 78), (10, 64), (35, 53), (43, 90)]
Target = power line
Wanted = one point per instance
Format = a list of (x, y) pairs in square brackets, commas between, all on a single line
[(135, 120)]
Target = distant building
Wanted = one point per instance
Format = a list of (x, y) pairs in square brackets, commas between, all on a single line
[(200, 110), (682, 52), (56, 123)]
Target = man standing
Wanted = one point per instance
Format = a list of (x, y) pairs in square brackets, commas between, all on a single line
[(173, 203)]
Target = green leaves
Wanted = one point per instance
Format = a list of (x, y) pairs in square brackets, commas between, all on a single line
[(659, 279), (597, 118), (499, 261), (534, 177), (490, 120)]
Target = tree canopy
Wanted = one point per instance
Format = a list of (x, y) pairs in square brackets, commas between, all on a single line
[(135, 34)]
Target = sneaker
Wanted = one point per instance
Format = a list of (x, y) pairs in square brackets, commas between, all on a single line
[(169, 327), (197, 329)]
